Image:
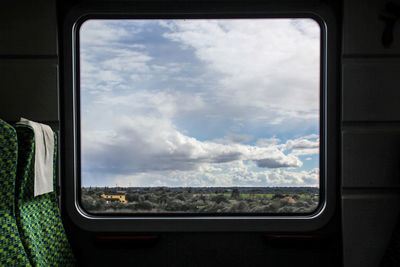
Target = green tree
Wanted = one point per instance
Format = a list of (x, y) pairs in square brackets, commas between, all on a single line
[(278, 196), (145, 205), (235, 194), (220, 198), (132, 197)]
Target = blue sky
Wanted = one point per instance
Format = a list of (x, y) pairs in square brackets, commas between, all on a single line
[(200, 102)]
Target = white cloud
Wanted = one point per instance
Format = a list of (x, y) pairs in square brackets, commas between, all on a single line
[(102, 32), (290, 178), (234, 138), (237, 174), (264, 71), (134, 104), (159, 103), (111, 68), (272, 65), (107, 58), (307, 145), (267, 141), (142, 144)]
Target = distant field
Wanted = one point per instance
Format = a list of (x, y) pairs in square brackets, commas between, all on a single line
[(200, 200), (247, 195)]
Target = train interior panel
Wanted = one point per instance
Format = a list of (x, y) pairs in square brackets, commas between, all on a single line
[(200, 133)]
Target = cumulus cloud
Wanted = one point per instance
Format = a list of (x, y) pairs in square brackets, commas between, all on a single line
[(228, 174), (270, 67), (269, 64), (158, 103), (302, 144), (111, 60), (112, 69), (307, 145), (289, 178), (197, 104), (149, 144), (267, 141), (274, 163), (234, 138), (102, 32)]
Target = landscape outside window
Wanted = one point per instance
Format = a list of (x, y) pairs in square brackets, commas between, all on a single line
[(200, 116)]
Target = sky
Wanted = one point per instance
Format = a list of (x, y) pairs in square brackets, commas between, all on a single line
[(194, 103)]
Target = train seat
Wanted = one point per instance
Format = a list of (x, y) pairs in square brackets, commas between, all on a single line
[(42, 231), (12, 252)]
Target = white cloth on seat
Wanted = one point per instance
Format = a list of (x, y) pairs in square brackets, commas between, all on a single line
[(44, 153)]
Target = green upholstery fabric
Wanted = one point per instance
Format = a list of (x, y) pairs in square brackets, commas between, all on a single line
[(12, 252), (42, 231)]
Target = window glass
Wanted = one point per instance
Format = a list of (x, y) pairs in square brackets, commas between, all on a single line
[(200, 116)]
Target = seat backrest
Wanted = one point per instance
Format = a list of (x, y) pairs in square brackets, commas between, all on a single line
[(39, 217), (8, 165), (12, 252)]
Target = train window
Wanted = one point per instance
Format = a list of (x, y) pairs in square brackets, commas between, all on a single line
[(200, 116)]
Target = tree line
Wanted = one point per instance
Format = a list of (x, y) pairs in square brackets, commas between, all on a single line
[(194, 200)]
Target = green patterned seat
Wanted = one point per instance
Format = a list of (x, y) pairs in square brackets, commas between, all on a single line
[(12, 252), (39, 219)]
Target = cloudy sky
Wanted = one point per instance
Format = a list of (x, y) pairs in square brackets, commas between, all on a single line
[(200, 102)]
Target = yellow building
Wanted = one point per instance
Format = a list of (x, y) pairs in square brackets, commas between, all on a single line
[(115, 197)]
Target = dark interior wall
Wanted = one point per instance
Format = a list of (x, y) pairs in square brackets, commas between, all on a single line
[(370, 133), (29, 61), (370, 127)]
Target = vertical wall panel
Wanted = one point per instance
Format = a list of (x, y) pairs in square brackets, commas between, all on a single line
[(29, 89), (370, 132), (368, 222), (28, 27), (29, 61), (371, 159), (363, 29), (371, 89)]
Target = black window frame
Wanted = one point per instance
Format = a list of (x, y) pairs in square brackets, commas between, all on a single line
[(70, 117)]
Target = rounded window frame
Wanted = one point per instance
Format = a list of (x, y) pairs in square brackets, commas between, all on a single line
[(70, 123)]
